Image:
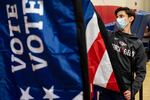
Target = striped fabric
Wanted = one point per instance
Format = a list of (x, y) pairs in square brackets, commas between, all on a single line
[(100, 67)]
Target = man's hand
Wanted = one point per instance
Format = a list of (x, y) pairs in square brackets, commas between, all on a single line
[(127, 94)]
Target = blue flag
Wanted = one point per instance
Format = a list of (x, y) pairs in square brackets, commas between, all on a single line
[(40, 55)]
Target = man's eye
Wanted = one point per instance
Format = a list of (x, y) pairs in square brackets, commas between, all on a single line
[(121, 16)]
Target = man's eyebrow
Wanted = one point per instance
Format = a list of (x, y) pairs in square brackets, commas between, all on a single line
[(120, 15)]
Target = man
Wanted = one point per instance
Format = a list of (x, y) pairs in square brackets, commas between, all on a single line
[(130, 51), (131, 55)]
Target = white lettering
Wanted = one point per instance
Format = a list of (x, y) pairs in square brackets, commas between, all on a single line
[(19, 50), (13, 28), (28, 25), (18, 67), (13, 12), (32, 8), (116, 47), (41, 63), (34, 42), (133, 53), (35, 38)]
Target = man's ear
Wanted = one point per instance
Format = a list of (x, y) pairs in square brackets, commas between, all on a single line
[(131, 19)]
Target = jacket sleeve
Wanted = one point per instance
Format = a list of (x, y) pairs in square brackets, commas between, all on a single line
[(140, 68)]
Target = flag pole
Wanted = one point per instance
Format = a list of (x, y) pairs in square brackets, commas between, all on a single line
[(132, 72), (82, 47)]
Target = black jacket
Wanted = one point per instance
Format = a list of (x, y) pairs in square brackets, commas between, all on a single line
[(131, 55)]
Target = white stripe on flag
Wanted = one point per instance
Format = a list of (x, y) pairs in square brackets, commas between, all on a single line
[(103, 72), (92, 31)]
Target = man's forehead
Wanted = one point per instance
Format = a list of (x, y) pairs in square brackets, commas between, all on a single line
[(121, 13)]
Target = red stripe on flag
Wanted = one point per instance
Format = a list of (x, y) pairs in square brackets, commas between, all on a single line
[(112, 83), (107, 13), (95, 55)]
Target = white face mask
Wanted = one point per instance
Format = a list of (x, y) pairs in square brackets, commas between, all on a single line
[(121, 23)]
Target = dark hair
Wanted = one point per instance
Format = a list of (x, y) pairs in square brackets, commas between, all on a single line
[(127, 10)]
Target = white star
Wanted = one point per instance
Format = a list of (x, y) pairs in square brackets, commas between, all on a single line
[(25, 94), (79, 96), (50, 94)]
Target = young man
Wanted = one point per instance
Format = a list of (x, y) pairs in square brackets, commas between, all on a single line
[(131, 55)]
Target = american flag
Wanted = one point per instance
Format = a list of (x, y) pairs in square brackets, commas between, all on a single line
[(100, 67), (103, 66)]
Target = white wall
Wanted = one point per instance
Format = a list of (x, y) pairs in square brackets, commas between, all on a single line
[(141, 4), (109, 2), (136, 4), (147, 5)]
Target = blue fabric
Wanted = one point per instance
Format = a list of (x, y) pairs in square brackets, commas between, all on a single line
[(142, 19), (48, 55)]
